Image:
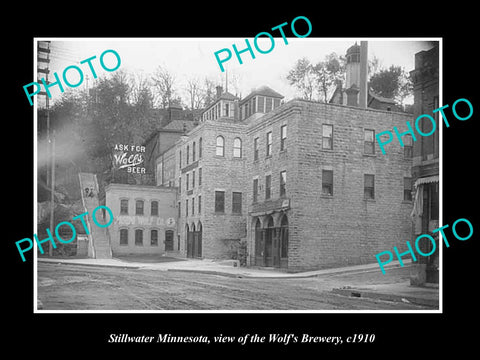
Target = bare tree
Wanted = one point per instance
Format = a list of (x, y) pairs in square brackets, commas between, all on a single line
[(163, 82), (195, 93)]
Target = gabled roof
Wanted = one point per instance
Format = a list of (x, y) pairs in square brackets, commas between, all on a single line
[(263, 91), (228, 96)]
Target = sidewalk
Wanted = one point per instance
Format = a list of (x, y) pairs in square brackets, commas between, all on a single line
[(398, 291), (206, 266)]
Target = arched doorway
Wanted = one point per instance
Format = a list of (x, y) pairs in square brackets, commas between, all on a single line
[(284, 241), (198, 241), (189, 241), (259, 244), (270, 243)]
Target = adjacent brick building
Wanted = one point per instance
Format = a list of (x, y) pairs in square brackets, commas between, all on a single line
[(144, 219), (425, 170)]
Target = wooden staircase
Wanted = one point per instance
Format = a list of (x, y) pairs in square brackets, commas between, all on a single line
[(99, 242)]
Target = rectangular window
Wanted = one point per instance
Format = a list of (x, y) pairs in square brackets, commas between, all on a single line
[(193, 206), (199, 204), (261, 104), (154, 208), (169, 240), (226, 113), (237, 202), (407, 189), (199, 176), (188, 154), (187, 181), (139, 207), (200, 148), (408, 146), (283, 182), (180, 184), (268, 184), (179, 209), (193, 152), (154, 237), (283, 137), (255, 149), (124, 207), (139, 237), (255, 190), (269, 143), (123, 236), (327, 182), (180, 159), (186, 208), (193, 179), (219, 201), (327, 136), (268, 104), (369, 142), (369, 186)]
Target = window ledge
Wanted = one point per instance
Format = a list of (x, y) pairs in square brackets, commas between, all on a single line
[(369, 200), (370, 155)]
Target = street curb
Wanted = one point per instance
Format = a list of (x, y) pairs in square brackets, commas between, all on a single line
[(353, 292), (87, 264)]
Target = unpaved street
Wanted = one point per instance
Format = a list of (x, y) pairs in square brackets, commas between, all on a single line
[(76, 287)]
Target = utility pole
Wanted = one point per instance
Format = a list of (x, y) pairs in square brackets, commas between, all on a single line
[(52, 194), (45, 51)]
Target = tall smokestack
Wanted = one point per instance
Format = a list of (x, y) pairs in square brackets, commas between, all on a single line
[(362, 101)]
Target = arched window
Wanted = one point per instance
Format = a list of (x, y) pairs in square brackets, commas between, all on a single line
[(220, 149), (237, 148)]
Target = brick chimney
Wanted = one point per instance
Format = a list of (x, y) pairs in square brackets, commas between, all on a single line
[(219, 90), (352, 95)]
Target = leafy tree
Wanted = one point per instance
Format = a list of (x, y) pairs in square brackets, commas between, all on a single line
[(327, 73), (302, 77), (392, 83)]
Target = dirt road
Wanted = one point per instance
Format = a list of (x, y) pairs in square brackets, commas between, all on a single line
[(76, 287)]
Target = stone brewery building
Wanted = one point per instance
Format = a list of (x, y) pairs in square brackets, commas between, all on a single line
[(297, 185)]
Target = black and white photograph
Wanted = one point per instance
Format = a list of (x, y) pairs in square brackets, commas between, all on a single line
[(240, 180), (193, 181)]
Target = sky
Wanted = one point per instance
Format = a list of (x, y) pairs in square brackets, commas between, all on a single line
[(186, 58)]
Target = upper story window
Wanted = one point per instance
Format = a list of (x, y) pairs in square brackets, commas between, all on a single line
[(255, 149), (269, 144), (220, 146), (327, 136), (188, 154), (283, 137), (200, 148), (237, 148), (124, 207), (408, 146), (369, 143), (193, 152), (139, 207), (154, 208)]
